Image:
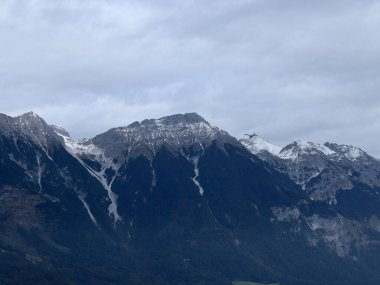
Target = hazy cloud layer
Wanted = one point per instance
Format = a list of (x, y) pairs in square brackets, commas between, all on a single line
[(284, 69)]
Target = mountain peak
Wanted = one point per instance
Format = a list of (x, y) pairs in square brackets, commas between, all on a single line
[(299, 148), (258, 145), (30, 114), (178, 129), (189, 118), (148, 136), (176, 119), (31, 118), (350, 152), (30, 126)]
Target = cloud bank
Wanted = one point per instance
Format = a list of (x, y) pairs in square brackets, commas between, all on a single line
[(284, 69)]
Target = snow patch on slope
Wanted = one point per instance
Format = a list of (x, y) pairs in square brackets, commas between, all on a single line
[(195, 161), (81, 198), (81, 146), (347, 151), (299, 148), (85, 148)]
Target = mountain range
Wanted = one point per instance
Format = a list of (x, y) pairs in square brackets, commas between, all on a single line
[(176, 200)]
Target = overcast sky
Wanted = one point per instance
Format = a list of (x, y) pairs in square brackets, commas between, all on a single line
[(285, 69)]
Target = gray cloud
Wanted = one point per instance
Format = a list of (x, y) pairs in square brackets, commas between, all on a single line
[(284, 69)]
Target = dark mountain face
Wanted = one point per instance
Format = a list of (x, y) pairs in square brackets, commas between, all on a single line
[(170, 201), (343, 178)]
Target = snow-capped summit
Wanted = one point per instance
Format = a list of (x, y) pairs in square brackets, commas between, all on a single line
[(29, 126), (179, 129), (349, 152), (258, 145), (299, 149), (302, 150), (176, 131), (320, 169)]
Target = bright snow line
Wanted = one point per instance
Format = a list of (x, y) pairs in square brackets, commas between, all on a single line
[(112, 208), (195, 161), (196, 171), (88, 210)]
